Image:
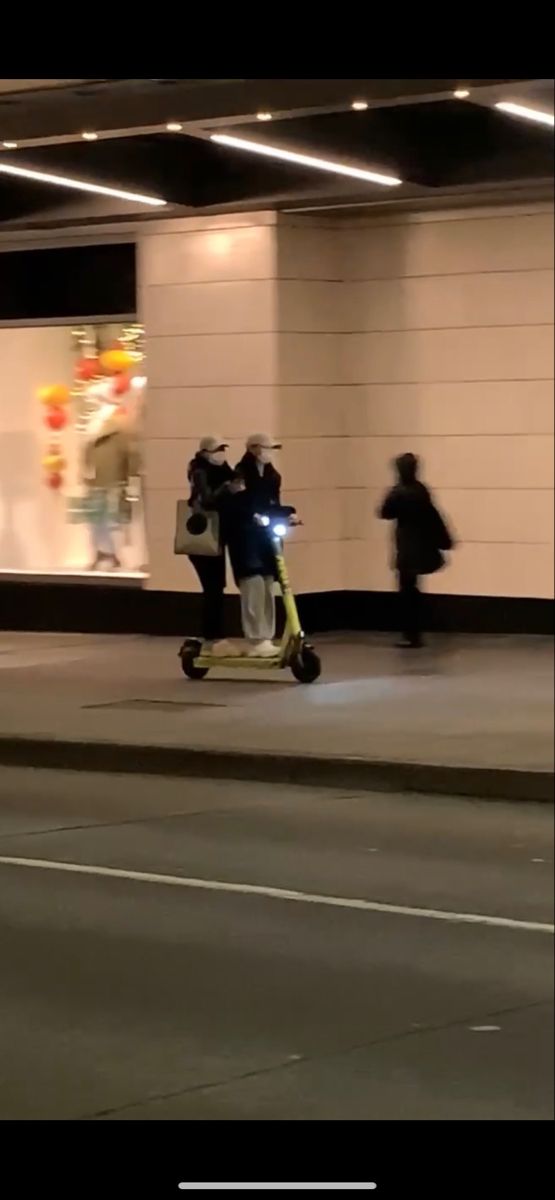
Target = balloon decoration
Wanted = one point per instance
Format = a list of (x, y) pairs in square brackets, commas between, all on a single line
[(55, 399), (114, 362), (95, 361), (53, 461), (56, 418), (87, 368)]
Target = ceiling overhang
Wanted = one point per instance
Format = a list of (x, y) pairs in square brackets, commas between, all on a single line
[(441, 147)]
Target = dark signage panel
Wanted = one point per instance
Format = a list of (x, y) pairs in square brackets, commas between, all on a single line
[(76, 281)]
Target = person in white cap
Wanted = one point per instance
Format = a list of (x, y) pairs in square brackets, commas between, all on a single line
[(212, 480), (249, 548)]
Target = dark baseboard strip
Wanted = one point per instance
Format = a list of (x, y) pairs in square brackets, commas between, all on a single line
[(175, 761), (60, 607)]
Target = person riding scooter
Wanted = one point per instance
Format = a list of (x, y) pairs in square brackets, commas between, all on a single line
[(212, 481), (250, 550)]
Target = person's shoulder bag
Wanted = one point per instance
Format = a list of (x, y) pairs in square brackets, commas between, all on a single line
[(437, 540), (197, 530)]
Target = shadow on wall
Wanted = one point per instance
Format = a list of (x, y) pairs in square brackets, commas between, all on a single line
[(23, 523)]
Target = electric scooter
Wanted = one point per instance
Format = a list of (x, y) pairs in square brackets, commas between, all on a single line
[(293, 652)]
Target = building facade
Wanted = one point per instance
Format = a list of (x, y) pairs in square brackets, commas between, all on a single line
[(350, 340)]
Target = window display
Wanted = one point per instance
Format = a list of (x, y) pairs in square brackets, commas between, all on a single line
[(71, 495)]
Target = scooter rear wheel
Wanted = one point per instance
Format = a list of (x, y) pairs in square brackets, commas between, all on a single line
[(187, 657), (306, 665)]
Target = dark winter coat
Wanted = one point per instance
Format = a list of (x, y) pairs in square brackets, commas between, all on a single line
[(421, 534), (250, 549), (209, 489), (208, 482)]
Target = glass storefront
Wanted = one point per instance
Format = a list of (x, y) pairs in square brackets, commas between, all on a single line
[(71, 408)]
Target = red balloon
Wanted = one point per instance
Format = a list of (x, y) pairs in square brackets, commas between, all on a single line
[(56, 418), (54, 481), (121, 385), (86, 369)]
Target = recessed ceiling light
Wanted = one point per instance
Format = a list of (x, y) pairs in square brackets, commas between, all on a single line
[(264, 116), (174, 127), (304, 160), (359, 105), (529, 114), (9, 145), (461, 94), (89, 137), (79, 185)]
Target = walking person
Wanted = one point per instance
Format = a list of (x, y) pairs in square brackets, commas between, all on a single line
[(421, 537), (212, 481), (250, 550)]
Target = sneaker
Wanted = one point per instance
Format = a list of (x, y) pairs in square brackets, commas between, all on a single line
[(265, 649), (225, 649)]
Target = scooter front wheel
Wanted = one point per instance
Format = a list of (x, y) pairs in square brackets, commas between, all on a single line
[(187, 656), (306, 665)]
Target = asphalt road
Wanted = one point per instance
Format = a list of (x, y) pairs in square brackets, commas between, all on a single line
[(131, 997)]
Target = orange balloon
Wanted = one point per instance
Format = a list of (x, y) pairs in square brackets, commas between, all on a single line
[(55, 396), (115, 361), (54, 481)]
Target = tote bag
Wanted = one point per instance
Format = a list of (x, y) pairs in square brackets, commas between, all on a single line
[(196, 531)]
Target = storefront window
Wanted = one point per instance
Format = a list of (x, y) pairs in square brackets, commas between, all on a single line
[(71, 409)]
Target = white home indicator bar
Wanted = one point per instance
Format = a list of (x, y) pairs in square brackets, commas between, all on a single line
[(278, 1187)]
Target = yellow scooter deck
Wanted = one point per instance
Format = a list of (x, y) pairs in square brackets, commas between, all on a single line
[(207, 662)]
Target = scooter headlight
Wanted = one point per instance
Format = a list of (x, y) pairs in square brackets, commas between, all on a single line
[(264, 521), (280, 530)]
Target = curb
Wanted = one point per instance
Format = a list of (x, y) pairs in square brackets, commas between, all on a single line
[(488, 783)]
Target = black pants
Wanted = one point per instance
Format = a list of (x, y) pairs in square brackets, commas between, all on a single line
[(211, 572), (411, 607)]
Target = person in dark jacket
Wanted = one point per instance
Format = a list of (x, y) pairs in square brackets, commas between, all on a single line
[(250, 550), (212, 482), (421, 536)]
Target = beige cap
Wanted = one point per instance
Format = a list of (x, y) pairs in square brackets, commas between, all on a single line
[(262, 441), (211, 444)]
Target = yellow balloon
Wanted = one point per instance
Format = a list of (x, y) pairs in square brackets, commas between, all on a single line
[(53, 462), (114, 361), (55, 395)]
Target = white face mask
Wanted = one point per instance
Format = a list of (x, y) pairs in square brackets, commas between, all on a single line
[(264, 456), (217, 458)]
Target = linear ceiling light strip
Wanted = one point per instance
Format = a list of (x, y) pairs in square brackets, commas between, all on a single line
[(79, 185), (304, 160), (529, 114)]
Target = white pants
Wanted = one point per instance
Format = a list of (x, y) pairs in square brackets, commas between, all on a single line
[(258, 608)]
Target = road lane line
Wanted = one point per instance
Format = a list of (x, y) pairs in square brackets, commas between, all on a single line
[(273, 893)]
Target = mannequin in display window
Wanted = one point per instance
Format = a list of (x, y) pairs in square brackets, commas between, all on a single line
[(110, 461)]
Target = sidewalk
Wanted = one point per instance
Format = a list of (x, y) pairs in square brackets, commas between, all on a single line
[(470, 715)]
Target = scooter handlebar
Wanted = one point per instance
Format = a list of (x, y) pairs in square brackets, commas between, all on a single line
[(268, 522)]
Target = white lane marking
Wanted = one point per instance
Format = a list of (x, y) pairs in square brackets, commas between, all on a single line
[(273, 893), (484, 1028)]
